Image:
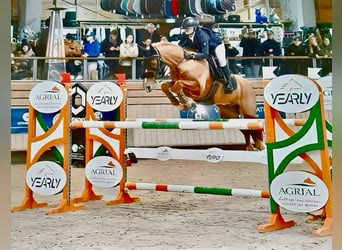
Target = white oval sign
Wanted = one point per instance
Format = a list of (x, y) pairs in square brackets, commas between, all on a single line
[(46, 178), (104, 96), (163, 153), (48, 97), (326, 85), (104, 171), (291, 93), (214, 155), (299, 191)]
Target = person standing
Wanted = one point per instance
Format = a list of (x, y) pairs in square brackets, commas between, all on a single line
[(91, 49), (251, 48), (128, 51), (231, 51), (326, 53), (295, 66), (72, 49), (110, 47), (270, 47), (205, 42), (23, 66)]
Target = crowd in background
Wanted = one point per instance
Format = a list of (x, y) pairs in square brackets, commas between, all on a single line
[(119, 54)]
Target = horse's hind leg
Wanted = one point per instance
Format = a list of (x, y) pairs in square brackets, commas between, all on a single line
[(258, 139)]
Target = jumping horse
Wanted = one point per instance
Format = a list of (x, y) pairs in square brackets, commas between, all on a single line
[(192, 82)]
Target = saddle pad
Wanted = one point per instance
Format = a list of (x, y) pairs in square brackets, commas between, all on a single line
[(167, 9), (211, 7), (130, 9), (104, 4), (143, 7), (198, 7), (137, 7), (192, 7), (112, 4), (174, 7), (154, 7), (118, 9), (228, 5)]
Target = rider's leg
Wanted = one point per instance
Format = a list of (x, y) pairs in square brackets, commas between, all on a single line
[(230, 83)]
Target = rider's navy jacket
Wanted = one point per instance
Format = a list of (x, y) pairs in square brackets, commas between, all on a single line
[(204, 41)]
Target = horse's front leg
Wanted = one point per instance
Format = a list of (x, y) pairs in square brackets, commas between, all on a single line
[(166, 88), (185, 102)]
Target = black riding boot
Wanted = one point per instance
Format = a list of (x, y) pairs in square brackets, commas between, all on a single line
[(230, 83)]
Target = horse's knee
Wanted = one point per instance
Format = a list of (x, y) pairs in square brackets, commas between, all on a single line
[(165, 87)]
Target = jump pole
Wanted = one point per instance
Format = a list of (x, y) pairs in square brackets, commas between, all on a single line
[(198, 189)]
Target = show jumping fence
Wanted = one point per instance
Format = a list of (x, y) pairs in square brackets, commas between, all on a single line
[(105, 145)]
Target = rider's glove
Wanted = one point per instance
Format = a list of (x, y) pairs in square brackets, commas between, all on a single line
[(189, 56)]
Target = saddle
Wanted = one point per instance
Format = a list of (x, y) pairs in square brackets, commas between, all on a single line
[(217, 75)]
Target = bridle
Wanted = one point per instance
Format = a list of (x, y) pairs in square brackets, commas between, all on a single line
[(159, 72)]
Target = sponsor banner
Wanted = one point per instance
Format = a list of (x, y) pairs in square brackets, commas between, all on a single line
[(48, 97), (104, 96), (326, 85), (291, 93), (201, 112), (104, 171), (299, 191), (46, 178), (19, 120)]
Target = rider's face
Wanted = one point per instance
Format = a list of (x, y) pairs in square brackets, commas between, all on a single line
[(189, 30)]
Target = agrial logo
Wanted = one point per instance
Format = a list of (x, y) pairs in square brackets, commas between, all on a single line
[(48, 97), (299, 191), (104, 171), (291, 93)]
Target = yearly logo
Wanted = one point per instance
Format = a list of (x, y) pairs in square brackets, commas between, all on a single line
[(46, 178), (104, 96), (214, 155), (48, 97), (291, 93), (299, 191), (104, 172)]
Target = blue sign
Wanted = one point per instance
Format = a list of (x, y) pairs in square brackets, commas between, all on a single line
[(201, 112), (19, 120), (260, 112)]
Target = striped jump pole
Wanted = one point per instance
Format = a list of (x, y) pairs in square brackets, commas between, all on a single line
[(249, 124), (198, 189)]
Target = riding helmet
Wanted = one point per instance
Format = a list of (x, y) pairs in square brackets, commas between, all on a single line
[(190, 22)]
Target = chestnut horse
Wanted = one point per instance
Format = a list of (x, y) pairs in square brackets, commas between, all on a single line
[(191, 83)]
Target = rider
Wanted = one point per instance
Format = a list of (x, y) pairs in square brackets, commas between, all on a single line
[(205, 42)]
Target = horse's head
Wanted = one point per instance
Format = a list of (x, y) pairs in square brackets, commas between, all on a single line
[(154, 70)]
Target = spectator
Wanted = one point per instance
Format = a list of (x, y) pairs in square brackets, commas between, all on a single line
[(22, 68), (313, 50), (128, 51), (147, 36), (151, 33), (72, 49), (270, 47), (251, 47), (231, 51), (294, 66), (110, 47), (326, 53), (91, 49)]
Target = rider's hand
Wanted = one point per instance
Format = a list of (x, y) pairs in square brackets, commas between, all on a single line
[(189, 56)]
